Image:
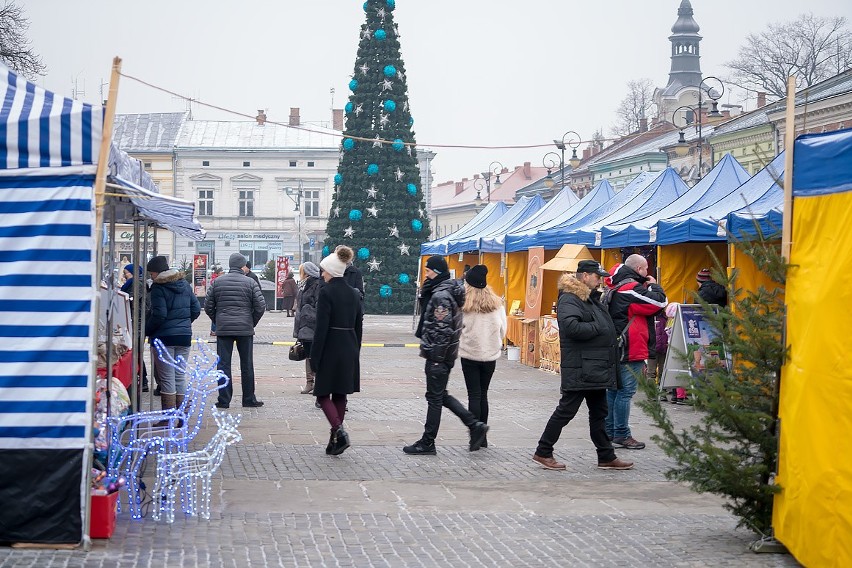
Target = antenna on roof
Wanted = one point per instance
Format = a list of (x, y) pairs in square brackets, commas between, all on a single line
[(332, 97), (76, 91)]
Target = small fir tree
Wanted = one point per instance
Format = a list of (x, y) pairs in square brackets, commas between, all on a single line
[(733, 451), (377, 208)]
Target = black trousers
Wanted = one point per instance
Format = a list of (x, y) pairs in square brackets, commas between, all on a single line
[(477, 377), (437, 397), (225, 350), (568, 406)]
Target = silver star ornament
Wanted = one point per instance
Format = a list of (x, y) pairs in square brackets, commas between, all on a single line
[(349, 232), (364, 69), (387, 85), (394, 232), (371, 193), (383, 119), (399, 174), (377, 142), (366, 33), (336, 211), (374, 265), (403, 249), (373, 210)]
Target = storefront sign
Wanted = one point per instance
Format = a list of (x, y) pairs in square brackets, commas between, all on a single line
[(246, 236), (199, 274)]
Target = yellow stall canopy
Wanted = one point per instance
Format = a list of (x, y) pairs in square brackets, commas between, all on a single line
[(567, 258)]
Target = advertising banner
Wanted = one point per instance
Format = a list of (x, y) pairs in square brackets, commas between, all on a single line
[(282, 267), (199, 275), (694, 337)]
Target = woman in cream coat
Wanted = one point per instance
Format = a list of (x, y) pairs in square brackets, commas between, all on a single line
[(481, 339)]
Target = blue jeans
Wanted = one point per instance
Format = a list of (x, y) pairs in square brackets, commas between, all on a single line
[(171, 380), (618, 401)]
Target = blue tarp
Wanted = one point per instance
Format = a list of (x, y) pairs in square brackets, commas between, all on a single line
[(722, 180), (527, 236), (484, 218), (812, 153), (759, 193), (554, 208), (525, 208)]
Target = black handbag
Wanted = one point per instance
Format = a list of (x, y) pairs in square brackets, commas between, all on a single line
[(297, 352)]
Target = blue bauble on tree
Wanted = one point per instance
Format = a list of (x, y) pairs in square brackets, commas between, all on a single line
[(338, 179), (398, 145), (411, 121), (417, 225), (380, 35), (390, 70), (412, 189), (372, 169), (391, 4), (353, 84), (390, 106), (355, 215), (404, 278), (385, 291), (365, 6), (325, 251), (348, 143), (363, 253), (349, 107)]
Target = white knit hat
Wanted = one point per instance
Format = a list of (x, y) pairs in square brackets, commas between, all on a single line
[(335, 263)]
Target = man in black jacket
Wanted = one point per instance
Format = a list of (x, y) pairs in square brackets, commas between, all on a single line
[(235, 303), (439, 331), (588, 367), (709, 290)]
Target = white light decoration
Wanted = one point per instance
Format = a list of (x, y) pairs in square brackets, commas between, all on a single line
[(185, 470), (374, 265), (403, 249), (349, 232), (394, 232)]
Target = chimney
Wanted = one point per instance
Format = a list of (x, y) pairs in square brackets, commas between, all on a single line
[(337, 118), (294, 116), (761, 99), (527, 173), (587, 153), (261, 117), (459, 187), (643, 124)]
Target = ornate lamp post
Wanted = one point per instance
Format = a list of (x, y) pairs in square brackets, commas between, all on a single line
[(573, 141), (549, 161), (682, 147), (295, 195), (494, 168)]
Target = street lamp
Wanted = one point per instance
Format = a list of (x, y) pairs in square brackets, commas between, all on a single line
[(550, 160), (682, 147), (495, 168), (295, 195), (574, 144), (478, 185)]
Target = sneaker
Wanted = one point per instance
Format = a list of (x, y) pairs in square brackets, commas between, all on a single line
[(253, 404), (420, 448), (477, 435), (222, 405), (617, 463), (548, 463), (628, 443)]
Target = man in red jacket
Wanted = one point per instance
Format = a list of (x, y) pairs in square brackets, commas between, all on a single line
[(635, 300)]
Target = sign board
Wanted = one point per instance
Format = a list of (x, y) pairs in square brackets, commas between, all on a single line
[(199, 274), (532, 307), (282, 267), (692, 337)]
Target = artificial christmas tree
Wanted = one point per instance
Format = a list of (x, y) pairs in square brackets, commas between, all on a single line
[(378, 208)]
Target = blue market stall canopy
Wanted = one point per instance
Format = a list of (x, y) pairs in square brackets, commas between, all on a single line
[(557, 206), (720, 182), (812, 153), (711, 223), (489, 214), (527, 236), (520, 212), (48, 155)]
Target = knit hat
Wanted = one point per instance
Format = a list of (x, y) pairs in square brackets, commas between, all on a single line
[(703, 275), (311, 269), (157, 264), (248, 264), (335, 263), (236, 260), (132, 269), (437, 264), (476, 276)]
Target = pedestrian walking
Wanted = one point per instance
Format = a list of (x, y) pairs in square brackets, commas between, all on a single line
[(289, 289), (336, 348), (173, 309), (235, 303), (217, 272), (589, 365), (306, 315), (439, 331), (481, 344)]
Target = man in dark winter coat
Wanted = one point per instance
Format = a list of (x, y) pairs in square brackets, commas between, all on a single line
[(173, 309), (439, 331), (587, 342), (709, 290), (247, 271), (635, 299), (235, 303)]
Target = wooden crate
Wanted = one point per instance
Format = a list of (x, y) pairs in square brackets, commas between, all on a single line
[(529, 344)]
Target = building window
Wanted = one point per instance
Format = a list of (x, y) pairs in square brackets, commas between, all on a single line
[(205, 162), (311, 203), (259, 253), (246, 203), (310, 164), (246, 164), (292, 163), (146, 165), (205, 202)]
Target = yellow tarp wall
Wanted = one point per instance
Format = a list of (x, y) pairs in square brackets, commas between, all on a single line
[(495, 277), (549, 290), (679, 264), (607, 257), (516, 265), (458, 265), (749, 276), (812, 515)]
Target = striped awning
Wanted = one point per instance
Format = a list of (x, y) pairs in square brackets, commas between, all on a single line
[(172, 213)]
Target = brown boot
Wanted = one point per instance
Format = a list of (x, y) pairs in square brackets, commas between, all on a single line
[(179, 398), (309, 378), (168, 402)]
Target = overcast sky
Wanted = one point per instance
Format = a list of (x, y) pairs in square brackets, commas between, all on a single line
[(480, 72)]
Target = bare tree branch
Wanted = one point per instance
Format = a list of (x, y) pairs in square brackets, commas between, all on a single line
[(15, 49), (636, 105)]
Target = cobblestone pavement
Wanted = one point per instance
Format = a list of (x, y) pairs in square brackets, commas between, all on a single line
[(280, 501)]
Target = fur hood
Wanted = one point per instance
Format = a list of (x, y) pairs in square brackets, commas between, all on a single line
[(170, 275), (570, 285)]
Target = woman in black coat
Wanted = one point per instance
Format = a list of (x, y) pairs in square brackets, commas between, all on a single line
[(306, 315), (336, 348)]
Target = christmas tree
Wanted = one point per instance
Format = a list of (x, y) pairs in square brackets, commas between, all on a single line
[(377, 208)]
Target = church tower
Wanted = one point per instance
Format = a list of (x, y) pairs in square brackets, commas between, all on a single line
[(685, 73)]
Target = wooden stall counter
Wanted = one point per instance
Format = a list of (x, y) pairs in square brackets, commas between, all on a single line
[(514, 330)]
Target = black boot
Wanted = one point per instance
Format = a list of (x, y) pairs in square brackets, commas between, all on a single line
[(340, 442), (330, 445)]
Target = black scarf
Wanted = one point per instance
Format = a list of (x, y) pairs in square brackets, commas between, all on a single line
[(429, 286)]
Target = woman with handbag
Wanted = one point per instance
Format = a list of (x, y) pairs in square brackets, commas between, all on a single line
[(336, 348), (306, 319)]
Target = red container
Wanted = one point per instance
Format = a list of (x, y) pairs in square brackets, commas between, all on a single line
[(102, 523)]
